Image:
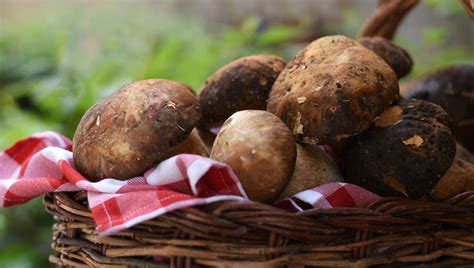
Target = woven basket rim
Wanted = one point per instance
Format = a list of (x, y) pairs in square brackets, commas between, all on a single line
[(249, 233)]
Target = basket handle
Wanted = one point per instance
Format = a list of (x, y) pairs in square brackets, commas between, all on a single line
[(468, 6), (389, 14), (386, 18)]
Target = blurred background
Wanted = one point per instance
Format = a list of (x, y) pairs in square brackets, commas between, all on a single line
[(59, 57)]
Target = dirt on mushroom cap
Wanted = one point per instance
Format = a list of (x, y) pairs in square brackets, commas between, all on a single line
[(391, 116)]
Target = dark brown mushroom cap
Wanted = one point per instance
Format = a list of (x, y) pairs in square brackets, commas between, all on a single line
[(406, 152), (260, 149), (453, 89), (127, 132), (325, 97), (243, 84), (395, 56)]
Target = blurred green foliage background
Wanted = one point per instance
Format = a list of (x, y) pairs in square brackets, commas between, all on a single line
[(54, 66)]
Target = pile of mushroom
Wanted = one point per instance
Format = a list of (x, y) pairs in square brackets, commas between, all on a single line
[(262, 151), (271, 117)]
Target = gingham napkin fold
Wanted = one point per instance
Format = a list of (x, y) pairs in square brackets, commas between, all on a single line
[(43, 163), (329, 195)]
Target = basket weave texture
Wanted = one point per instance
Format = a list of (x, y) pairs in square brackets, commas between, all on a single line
[(393, 232)]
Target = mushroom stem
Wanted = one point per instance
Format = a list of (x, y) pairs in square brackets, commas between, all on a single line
[(207, 137), (313, 168), (459, 178), (386, 18), (193, 144)]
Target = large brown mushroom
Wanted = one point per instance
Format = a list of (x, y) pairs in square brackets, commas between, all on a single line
[(333, 89), (453, 89), (405, 153), (260, 149), (127, 132), (243, 84)]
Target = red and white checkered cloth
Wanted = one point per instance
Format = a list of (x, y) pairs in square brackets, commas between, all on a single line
[(331, 195), (43, 163)]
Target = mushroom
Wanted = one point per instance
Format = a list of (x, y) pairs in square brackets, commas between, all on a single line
[(333, 89), (395, 56), (453, 89), (193, 144), (127, 132), (405, 153), (313, 167), (207, 137), (459, 178), (240, 85), (261, 150)]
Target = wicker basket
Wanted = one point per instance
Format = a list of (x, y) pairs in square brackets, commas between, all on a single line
[(393, 232)]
